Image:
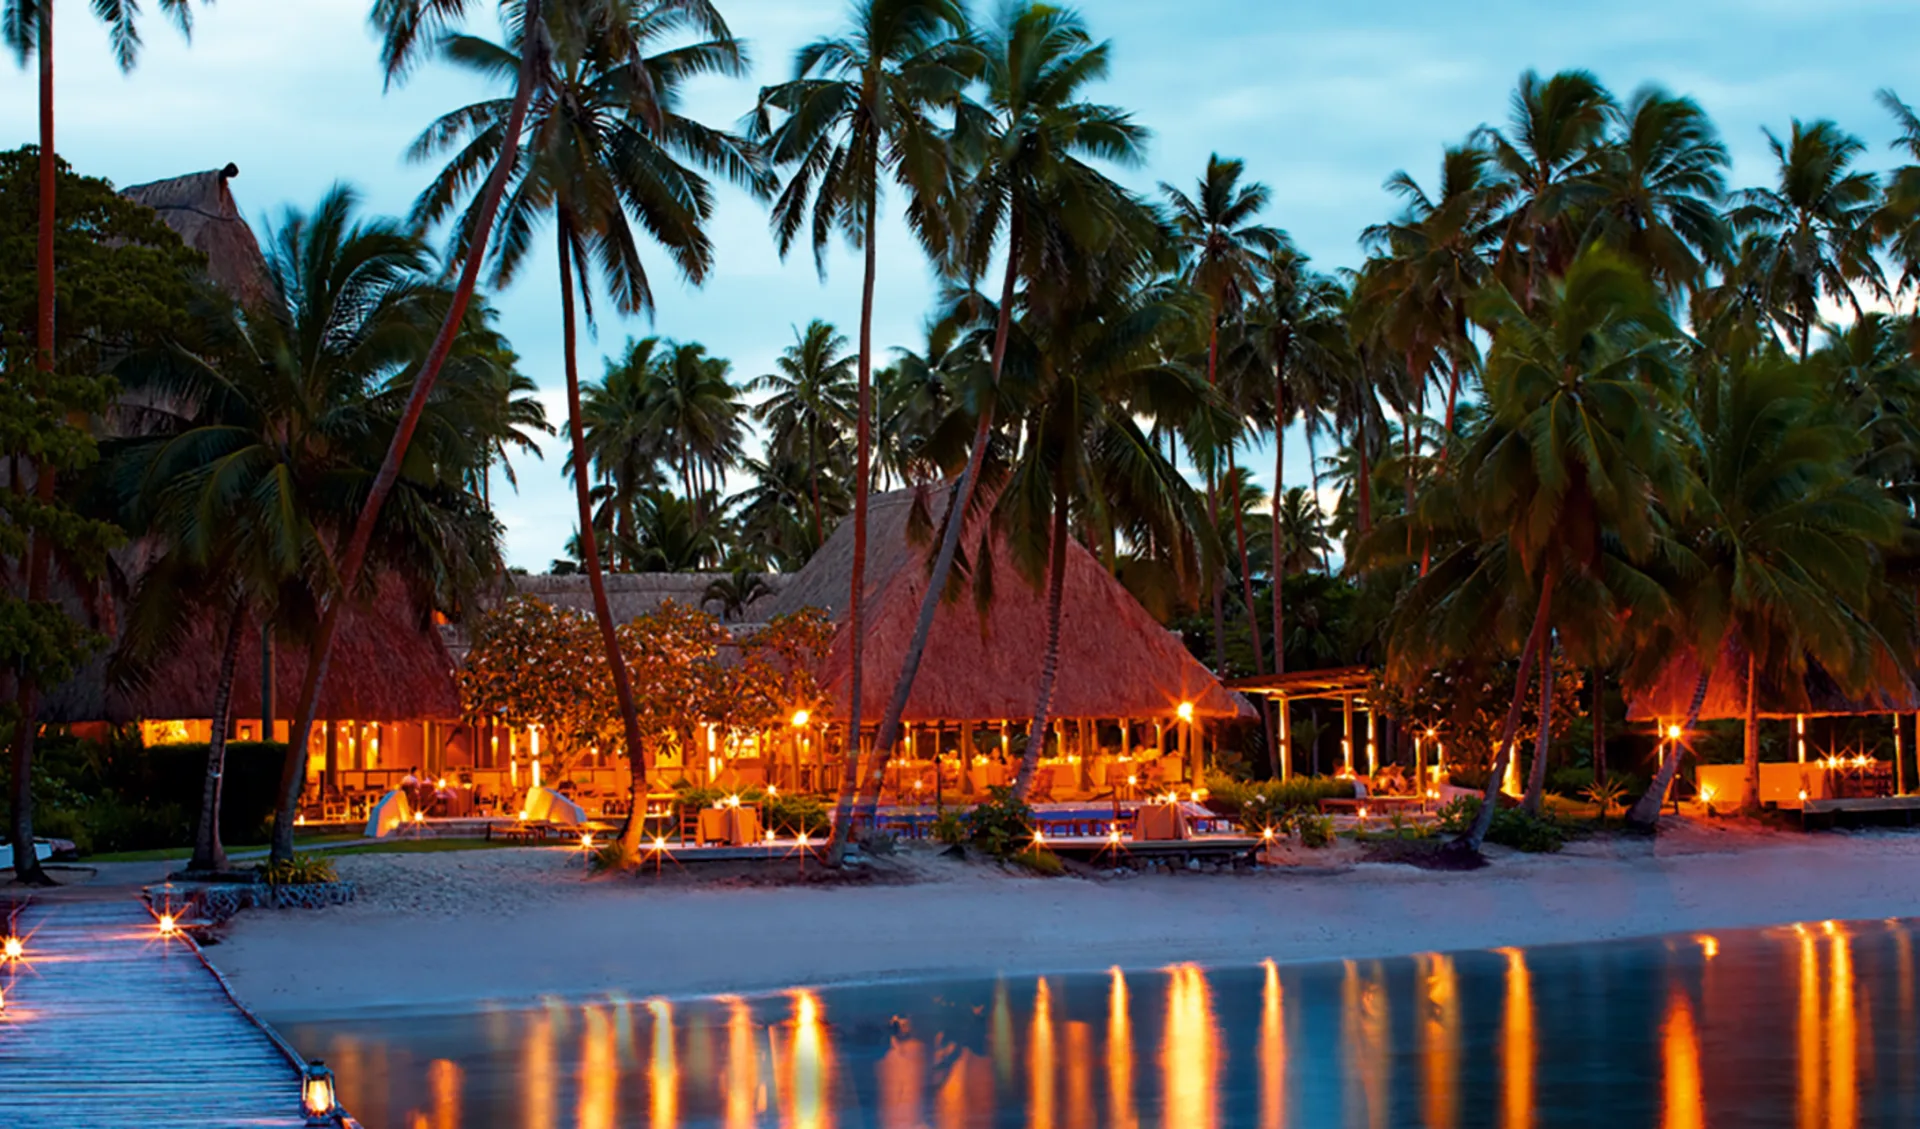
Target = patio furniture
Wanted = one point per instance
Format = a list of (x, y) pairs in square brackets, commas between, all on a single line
[(1159, 822)]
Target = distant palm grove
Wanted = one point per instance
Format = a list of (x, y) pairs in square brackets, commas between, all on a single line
[(1584, 404)]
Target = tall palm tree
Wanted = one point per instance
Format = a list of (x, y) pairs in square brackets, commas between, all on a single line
[(26, 27), (1301, 537), (695, 410), (1657, 188), (1223, 251), (1548, 154), (854, 116), (1562, 477), (408, 28), (605, 144), (1027, 145), (622, 435), (1815, 227), (811, 399), (284, 414), (1898, 220)]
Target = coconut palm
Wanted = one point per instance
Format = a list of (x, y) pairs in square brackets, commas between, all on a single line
[(1301, 536), (1815, 227), (1027, 146), (624, 442), (695, 409), (854, 116), (283, 414), (772, 511), (1548, 154), (1898, 220), (1224, 252), (606, 145), (1657, 188), (811, 400), (1563, 476), (408, 28)]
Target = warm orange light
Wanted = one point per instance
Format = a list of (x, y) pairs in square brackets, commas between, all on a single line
[(13, 948), (733, 801), (3, 1000), (440, 783), (299, 821), (1673, 733), (1267, 834), (1363, 813), (168, 926), (1706, 794), (586, 840), (419, 817), (769, 835), (1132, 780), (316, 1095), (1113, 836), (772, 791), (1185, 711), (802, 840), (659, 842), (1039, 836), (800, 718), (1803, 795)]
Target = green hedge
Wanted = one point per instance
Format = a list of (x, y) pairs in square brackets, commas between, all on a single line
[(249, 791)]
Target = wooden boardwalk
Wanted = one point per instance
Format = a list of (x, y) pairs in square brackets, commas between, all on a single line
[(108, 1025)]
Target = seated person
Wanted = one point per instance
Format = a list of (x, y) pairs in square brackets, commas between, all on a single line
[(1392, 781)]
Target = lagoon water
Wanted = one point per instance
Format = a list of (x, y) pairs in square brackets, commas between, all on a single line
[(1805, 1026)]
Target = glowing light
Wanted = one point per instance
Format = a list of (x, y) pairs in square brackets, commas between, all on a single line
[(440, 783), (1267, 834), (300, 821), (1363, 813), (802, 840), (769, 835), (316, 1094), (1039, 836), (772, 791), (13, 949), (733, 801), (419, 817), (168, 926), (1709, 945), (800, 718), (1673, 733), (1803, 795), (1185, 711), (1132, 780), (1113, 836), (659, 842), (1706, 794), (3, 1000), (586, 840)]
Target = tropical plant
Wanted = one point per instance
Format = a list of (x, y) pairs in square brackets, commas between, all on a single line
[(810, 401), (607, 143)]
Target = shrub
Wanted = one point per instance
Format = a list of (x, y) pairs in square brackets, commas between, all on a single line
[(1511, 827), (1041, 861), (949, 828), (301, 870), (1002, 826), (1316, 831), (1257, 805), (788, 816)]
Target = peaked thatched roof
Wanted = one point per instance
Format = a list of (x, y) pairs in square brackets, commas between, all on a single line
[(632, 594), (1671, 692), (1116, 661), (200, 208), (388, 665)]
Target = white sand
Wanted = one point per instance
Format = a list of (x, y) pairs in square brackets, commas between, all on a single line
[(444, 931)]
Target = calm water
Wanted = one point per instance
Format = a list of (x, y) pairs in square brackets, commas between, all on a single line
[(1807, 1026)]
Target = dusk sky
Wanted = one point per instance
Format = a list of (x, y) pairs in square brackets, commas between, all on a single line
[(1323, 101)]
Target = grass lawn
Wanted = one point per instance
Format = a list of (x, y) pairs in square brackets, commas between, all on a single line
[(422, 846), (169, 854)]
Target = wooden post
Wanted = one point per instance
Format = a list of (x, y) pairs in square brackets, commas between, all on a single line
[(1346, 742), (1800, 736), (1285, 730), (1373, 749)]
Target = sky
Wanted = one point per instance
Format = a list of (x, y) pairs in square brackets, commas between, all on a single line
[(1323, 102)]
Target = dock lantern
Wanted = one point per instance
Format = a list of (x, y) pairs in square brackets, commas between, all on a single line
[(12, 948), (317, 1099)]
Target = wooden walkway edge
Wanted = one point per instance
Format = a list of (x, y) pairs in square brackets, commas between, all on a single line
[(106, 1023)]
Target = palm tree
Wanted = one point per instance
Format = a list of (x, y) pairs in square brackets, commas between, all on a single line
[(694, 408), (1560, 480), (1898, 220), (1548, 155), (624, 442), (1027, 146), (811, 402), (407, 27), (606, 144), (26, 27), (735, 591), (1224, 252), (772, 528), (1815, 227), (284, 414), (1658, 187), (854, 115), (1301, 537)]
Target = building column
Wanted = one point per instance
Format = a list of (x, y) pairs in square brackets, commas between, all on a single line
[(1346, 742), (1285, 730)]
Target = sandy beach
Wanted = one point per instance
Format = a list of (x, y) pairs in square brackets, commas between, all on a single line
[(442, 932)]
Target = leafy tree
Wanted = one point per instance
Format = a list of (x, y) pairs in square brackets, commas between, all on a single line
[(534, 664)]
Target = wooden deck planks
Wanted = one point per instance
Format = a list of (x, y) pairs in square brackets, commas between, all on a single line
[(106, 1024)]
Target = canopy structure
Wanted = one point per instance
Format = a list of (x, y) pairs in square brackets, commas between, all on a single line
[(1344, 684), (200, 208), (982, 663)]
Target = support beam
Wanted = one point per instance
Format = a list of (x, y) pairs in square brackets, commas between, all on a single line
[(1346, 741)]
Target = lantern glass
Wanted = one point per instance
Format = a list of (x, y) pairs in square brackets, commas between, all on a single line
[(316, 1095)]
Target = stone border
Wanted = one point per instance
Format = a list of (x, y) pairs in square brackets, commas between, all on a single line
[(214, 904)]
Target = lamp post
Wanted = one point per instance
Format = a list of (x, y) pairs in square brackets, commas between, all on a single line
[(801, 718)]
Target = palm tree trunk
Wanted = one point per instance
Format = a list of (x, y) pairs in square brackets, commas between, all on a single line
[(1364, 470), (208, 852), (1646, 810), (1543, 741), (26, 868), (956, 519), (1313, 469), (638, 762), (1050, 659), (1277, 756), (1750, 791), (293, 770), (856, 627), (1477, 834)]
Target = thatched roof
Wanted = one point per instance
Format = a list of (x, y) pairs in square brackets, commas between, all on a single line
[(200, 208), (388, 665), (1671, 692), (1116, 661), (633, 594)]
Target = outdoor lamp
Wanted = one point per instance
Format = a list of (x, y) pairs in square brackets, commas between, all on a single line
[(800, 719), (316, 1094), (1185, 712), (168, 926), (1673, 733), (13, 949)]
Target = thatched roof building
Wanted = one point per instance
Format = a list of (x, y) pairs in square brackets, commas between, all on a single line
[(388, 665), (200, 208), (1116, 661), (1818, 695), (633, 594)]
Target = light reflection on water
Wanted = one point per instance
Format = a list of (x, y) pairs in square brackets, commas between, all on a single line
[(1811, 1026)]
